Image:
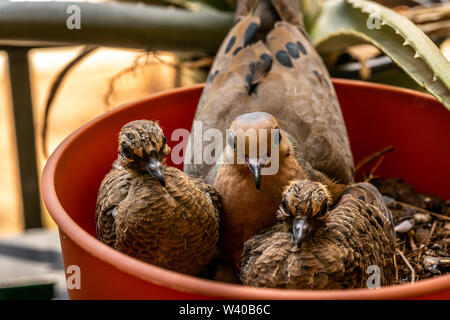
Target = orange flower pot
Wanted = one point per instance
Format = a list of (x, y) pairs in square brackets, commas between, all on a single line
[(376, 116)]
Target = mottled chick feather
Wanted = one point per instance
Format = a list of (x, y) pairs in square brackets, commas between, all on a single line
[(154, 212), (355, 234)]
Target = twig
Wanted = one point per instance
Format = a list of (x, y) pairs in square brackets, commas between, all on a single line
[(177, 66), (439, 216), (139, 63), (433, 227), (411, 241), (413, 273), (201, 63), (131, 69), (421, 250), (417, 267), (57, 83), (372, 157), (371, 175), (377, 164), (396, 268)]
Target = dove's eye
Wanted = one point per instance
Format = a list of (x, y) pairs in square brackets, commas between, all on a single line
[(232, 141), (277, 139)]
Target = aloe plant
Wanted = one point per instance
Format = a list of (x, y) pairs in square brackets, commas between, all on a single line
[(310, 10), (342, 23)]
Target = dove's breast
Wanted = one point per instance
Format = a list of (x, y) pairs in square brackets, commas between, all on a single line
[(175, 227)]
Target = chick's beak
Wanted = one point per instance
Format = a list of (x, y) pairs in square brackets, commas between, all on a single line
[(255, 167), (156, 169), (300, 229)]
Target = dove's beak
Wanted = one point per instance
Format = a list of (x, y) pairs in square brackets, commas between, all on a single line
[(300, 229), (156, 169), (255, 165)]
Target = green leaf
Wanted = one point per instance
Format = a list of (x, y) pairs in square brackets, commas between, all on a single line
[(342, 23), (310, 11)]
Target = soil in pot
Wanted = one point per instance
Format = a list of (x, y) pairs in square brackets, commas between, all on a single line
[(422, 230)]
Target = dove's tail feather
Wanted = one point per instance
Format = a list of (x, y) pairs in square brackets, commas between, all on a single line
[(262, 27), (270, 11), (268, 36)]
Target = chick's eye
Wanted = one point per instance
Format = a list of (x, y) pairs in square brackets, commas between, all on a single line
[(285, 204), (126, 151)]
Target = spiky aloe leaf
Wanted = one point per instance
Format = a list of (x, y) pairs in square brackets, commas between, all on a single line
[(310, 10), (346, 22)]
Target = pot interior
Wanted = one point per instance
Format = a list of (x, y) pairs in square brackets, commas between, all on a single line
[(376, 117)]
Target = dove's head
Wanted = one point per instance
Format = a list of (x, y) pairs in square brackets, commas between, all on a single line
[(258, 143), (143, 148), (304, 202)]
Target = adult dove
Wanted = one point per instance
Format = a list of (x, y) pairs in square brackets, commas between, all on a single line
[(268, 76)]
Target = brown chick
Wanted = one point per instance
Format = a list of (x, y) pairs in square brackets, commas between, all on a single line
[(312, 249), (267, 65), (154, 212)]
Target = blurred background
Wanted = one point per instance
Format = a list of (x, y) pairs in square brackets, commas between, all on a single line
[(32, 259), (81, 99), (106, 78)]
